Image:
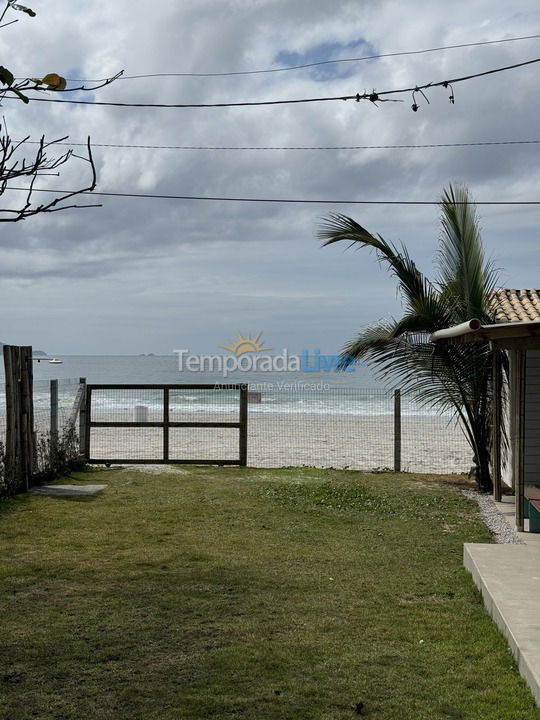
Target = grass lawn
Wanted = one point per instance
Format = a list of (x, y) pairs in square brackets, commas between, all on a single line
[(194, 593)]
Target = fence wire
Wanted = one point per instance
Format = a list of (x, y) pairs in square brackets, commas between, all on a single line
[(49, 458), (353, 428), (336, 427), (333, 427), (136, 405), (67, 391)]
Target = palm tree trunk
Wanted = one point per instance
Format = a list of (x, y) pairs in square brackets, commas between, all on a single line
[(482, 457)]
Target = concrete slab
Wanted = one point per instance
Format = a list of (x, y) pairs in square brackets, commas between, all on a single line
[(67, 490), (508, 576)]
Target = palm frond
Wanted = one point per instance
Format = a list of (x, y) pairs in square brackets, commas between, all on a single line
[(412, 283), (465, 275), (426, 313), (455, 378), (377, 337)]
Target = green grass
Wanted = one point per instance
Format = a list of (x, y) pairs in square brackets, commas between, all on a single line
[(199, 593)]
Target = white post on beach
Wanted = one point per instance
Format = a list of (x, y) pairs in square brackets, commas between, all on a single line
[(397, 430), (141, 413)]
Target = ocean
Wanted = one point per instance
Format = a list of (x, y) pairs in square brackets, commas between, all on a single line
[(164, 369), (356, 392)]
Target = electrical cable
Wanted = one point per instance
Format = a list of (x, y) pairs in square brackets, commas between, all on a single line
[(483, 143), (321, 62), (295, 201), (374, 97)]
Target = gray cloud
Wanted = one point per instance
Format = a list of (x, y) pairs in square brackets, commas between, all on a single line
[(141, 275)]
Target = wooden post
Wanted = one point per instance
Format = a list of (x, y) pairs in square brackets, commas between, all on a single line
[(20, 436), (166, 421), (87, 426), (519, 439), (397, 430), (12, 469), (497, 430), (82, 417), (512, 414), (243, 424), (54, 422), (29, 436)]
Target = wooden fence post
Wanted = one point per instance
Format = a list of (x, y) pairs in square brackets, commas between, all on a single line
[(82, 417), (166, 419), (20, 436), (397, 430), (54, 422), (88, 418), (243, 424), (12, 469)]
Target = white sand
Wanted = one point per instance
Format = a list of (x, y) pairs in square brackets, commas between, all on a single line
[(428, 444)]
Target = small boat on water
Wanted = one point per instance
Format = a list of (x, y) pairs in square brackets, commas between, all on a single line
[(55, 361)]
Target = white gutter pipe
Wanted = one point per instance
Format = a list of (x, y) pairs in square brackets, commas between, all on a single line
[(464, 329)]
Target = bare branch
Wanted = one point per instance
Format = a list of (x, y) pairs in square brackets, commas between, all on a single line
[(29, 85), (43, 161), (12, 167), (102, 84)]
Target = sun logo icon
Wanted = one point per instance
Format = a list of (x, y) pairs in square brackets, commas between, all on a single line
[(246, 344)]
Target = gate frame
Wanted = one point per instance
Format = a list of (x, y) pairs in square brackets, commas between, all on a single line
[(166, 423)]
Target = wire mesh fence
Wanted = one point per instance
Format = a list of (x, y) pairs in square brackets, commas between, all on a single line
[(331, 427), (67, 392), (353, 428), (287, 426), (51, 455), (166, 423)]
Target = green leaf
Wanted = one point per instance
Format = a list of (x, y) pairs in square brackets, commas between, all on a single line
[(54, 82), (6, 76), (23, 9)]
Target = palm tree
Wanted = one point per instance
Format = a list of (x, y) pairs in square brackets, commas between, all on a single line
[(451, 377)]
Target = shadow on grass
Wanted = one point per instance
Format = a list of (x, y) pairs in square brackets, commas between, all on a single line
[(11, 505)]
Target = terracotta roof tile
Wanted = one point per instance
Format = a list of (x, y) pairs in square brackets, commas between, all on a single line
[(516, 305)]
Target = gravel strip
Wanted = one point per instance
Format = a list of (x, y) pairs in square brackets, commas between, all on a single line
[(497, 523)]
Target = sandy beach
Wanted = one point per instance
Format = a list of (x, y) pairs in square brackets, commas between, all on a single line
[(429, 444)]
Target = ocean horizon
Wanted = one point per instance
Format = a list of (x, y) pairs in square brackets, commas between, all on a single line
[(293, 392)]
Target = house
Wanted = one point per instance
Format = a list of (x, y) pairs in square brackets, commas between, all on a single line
[(507, 574), (517, 331)]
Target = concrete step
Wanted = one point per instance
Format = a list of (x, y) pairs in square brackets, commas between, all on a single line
[(508, 577)]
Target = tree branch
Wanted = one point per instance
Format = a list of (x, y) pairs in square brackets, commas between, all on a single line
[(41, 164)]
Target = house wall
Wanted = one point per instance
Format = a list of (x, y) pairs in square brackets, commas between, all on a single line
[(531, 460)]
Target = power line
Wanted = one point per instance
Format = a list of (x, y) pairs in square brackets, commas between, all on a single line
[(277, 201), (373, 96), (257, 103), (484, 143), (321, 62)]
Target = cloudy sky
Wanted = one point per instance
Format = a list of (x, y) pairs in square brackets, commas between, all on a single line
[(149, 275)]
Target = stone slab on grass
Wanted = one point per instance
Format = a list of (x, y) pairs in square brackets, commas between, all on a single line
[(67, 490)]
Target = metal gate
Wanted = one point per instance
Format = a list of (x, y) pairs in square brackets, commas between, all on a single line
[(109, 408)]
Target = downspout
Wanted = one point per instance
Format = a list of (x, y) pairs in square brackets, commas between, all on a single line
[(465, 328)]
